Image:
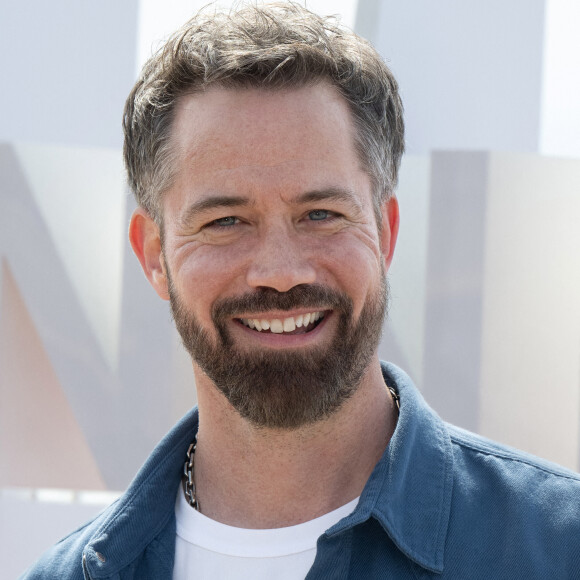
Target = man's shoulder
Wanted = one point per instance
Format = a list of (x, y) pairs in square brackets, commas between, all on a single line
[(508, 482), (141, 519), (479, 449), (64, 560), (511, 511)]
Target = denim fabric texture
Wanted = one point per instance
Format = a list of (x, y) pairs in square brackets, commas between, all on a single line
[(442, 503)]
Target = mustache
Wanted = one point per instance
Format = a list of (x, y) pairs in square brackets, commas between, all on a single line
[(265, 299)]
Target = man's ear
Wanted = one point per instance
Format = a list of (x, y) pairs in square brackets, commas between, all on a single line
[(145, 239), (390, 228)]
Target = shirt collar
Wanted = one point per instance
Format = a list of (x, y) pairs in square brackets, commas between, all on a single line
[(409, 491)]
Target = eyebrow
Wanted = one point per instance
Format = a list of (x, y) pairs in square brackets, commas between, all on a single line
[(329, 194), (222, 201), (211, 203)]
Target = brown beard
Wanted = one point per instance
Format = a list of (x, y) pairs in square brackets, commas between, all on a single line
[(285, 389)]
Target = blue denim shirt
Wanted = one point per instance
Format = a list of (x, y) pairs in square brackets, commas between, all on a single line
[(441, 503)]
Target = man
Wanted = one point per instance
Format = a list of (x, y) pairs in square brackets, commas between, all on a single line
[(263, 149)]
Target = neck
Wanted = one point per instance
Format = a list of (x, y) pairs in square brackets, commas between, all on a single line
[(264, 478)]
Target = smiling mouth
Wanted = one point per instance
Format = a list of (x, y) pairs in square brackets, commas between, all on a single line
[(292, 325)]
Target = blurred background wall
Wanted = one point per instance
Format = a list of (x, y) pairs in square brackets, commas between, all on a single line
[(485, 311)]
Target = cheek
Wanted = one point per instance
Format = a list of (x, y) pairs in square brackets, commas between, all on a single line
[(208, 273), (354, 267)]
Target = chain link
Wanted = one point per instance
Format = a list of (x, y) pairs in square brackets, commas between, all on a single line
[(188, 477), (396, 398)]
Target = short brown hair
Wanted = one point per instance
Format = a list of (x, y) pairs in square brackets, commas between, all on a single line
[(270, 46)]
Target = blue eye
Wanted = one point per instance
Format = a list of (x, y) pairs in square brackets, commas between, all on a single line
[(318, 214), (225, 221)]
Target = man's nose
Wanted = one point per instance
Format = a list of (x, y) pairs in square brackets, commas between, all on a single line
[(280, 261)]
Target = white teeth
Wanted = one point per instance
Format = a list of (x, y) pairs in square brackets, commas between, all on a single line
[(276, 326)]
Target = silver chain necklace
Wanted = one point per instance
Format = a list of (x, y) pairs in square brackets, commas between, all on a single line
[(188, 480), (188, 467)]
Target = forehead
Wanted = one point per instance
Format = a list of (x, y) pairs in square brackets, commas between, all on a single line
[(234, 141), (261, 112)]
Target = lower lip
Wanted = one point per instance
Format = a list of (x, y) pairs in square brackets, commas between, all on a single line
[(282, 340)]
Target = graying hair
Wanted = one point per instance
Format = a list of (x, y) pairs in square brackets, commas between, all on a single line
[(272, 46)]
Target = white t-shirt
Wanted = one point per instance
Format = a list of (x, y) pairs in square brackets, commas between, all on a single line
[(209, 550)]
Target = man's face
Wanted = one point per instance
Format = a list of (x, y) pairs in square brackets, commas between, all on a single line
[(275, 267)]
